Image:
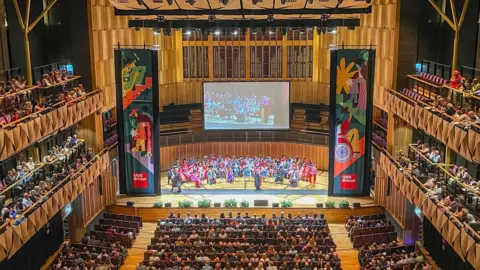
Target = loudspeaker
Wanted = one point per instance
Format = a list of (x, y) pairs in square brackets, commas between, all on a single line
[(130, 203), (260, 203), (275, 204), (319, 205), (168, 204), (356, 205), (217, 204)]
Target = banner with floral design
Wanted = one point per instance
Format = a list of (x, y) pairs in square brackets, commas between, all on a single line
[(351, 92)]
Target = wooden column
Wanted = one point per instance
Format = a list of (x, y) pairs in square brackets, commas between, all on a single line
[(391, 132), (4, 63)]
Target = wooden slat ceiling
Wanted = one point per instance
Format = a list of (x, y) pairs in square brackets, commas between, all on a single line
[(244, 8)]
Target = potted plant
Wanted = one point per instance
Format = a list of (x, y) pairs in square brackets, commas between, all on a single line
[(244, 204), (158, 204), (330, 204), (286, 204), (204, 203), (230, 203), (343, 204), (185, 204)]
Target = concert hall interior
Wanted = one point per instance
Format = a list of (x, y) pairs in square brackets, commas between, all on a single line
[(239, 134)]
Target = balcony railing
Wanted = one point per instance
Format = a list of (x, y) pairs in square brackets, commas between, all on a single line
[(462, 237), (244, 136), (23, 133), (19, 231)]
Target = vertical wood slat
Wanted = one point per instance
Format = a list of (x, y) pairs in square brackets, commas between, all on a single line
[(319, 154)]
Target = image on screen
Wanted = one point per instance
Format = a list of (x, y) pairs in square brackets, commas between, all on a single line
[(246, 105)]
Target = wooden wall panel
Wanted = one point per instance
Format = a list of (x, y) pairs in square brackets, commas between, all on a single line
[(380, 28), (150, 214), (107, 30), (93, 201), (318, 154)]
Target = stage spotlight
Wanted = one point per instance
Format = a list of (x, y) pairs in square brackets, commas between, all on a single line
[(332, 30), (253, 31), (161, 19), (137, 29), (188, 32), (191, 2), (284, 31), (272, 31), (170, 2), (211, 18), (263, 30), (270, 18), (167, 31), (255, 2), (156, 31), (225, 2), (235, 32), (217, 32)]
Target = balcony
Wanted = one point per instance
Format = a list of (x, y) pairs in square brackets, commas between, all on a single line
[(14, 234), (21, 134), (461, 236)]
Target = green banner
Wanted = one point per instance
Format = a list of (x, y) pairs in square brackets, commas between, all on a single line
[(351, 92)]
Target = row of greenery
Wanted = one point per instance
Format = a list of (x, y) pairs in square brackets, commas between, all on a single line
[(232, 203)]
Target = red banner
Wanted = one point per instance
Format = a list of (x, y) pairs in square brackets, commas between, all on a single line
[(140, 180), (348, 181)]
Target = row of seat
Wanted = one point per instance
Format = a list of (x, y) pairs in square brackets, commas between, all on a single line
[(104, 228), (369, 217), (120, 223), (123, 217), (371, 230), (379, 238), (415, 96), (432, 79)]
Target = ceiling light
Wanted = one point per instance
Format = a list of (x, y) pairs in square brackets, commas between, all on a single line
[(156, 31), (188, 32), (332, 30)]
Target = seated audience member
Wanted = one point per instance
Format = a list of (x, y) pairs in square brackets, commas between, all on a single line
[(26, 201)]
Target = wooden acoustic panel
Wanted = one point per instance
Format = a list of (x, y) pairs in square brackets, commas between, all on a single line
[(319, 154)]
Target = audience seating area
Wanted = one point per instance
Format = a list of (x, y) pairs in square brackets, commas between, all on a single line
[(373, 257), (366, 230), (183, 117), (104, 247), (243, 242), (439, 81), (310, 117)]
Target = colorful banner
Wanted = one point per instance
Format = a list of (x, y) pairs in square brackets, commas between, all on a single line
[(351, 95), (136, 121)]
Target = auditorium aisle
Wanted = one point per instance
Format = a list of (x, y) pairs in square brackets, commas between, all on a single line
[(135, 254), (347, 254)]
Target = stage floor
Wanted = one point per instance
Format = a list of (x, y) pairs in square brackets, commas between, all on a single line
[(241, 184)]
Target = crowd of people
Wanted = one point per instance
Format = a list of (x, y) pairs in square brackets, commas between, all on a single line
[(238, 107), (98, 254), (30, 181), (259, 168), (390, 257), (18, 100), (242, 242)]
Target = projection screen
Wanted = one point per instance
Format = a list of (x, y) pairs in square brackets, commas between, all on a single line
[(246, 105)]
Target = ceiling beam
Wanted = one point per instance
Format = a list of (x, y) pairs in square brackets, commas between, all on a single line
[(240, 12), (198, 24)]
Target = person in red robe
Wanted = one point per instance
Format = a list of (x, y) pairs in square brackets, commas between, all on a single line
[(142, 137), (456, 79), (265, 109), (313, 174)]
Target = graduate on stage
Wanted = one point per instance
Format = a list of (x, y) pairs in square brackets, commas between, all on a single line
[(313, 174), (294, 177), (258, 180), (230, 177), (212, 176)]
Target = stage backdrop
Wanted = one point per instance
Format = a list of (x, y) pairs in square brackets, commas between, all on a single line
[(351, 93), (137, 89)]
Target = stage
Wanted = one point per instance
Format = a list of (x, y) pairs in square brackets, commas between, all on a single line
[(244, 184)]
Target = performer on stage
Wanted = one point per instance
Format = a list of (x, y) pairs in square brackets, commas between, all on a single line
[(313, 174), (258, 180), (230, 177), (176, 181)]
